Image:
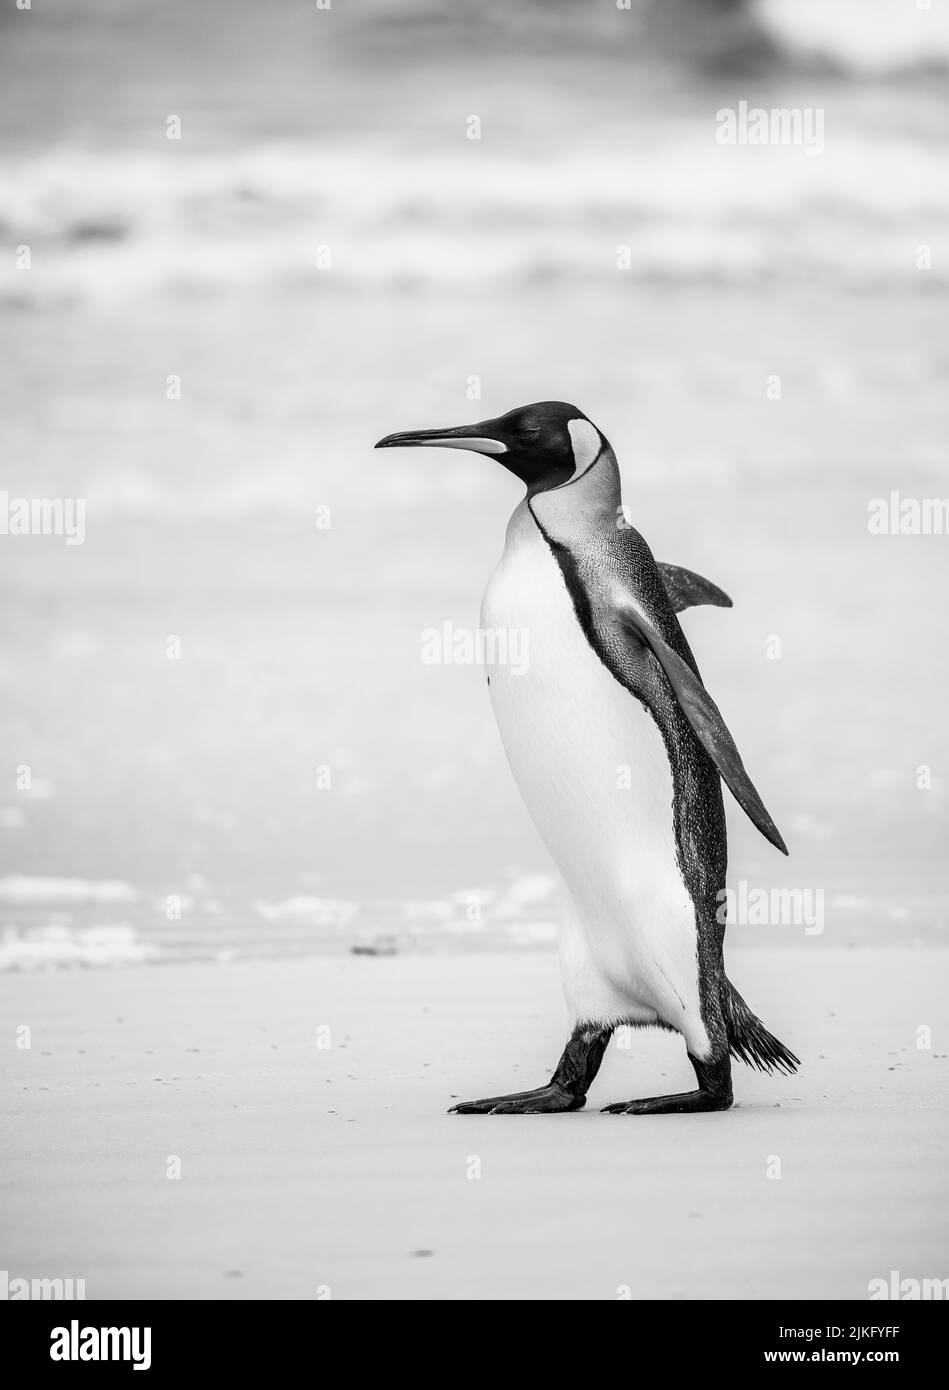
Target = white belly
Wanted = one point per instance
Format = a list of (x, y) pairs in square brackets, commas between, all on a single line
[(592, 768)]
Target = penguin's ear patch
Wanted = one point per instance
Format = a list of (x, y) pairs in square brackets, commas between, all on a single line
[(586, 443), (704, 716)]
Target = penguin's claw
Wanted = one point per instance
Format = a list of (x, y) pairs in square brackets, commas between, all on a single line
[(546, 1100), (688, 1103)]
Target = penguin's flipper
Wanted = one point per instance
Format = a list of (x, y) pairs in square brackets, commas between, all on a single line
[(702, 713), (686, 589)]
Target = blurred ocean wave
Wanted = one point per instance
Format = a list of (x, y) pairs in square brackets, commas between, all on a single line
[(860, 37), (343, 132), (104, 227), (49, 923), (520, 912)]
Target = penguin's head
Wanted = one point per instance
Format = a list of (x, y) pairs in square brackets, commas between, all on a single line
[(545, 445)]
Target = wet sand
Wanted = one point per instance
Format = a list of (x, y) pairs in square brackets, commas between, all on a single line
[(307, 1168)]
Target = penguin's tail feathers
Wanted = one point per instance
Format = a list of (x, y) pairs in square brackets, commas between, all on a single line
[(748, 1038)]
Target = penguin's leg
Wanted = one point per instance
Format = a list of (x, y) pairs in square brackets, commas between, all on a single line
[(566, 1089), (692, 1006), (714, 1075), (706, 1039)]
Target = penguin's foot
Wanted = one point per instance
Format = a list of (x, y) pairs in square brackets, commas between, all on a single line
[(714, 1092), (552, 1099), (687, 1103)]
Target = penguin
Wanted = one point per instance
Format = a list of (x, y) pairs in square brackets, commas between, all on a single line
[(619, 753)]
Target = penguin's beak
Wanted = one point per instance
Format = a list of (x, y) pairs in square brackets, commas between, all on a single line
[(480, 439)]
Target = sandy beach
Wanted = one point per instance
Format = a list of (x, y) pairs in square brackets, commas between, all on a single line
[(307, 1168)]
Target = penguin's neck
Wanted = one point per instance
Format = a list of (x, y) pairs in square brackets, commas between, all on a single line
[(589, 502)]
